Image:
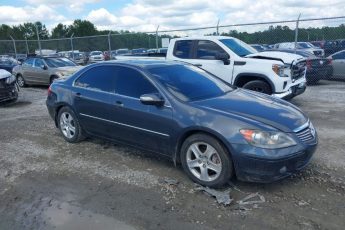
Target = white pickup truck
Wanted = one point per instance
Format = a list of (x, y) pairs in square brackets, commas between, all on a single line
[(276, 73)]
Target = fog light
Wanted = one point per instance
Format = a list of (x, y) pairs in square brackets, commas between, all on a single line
[(282, 170)]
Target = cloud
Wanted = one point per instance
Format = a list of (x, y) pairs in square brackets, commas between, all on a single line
[(15, 15), (75, 6)]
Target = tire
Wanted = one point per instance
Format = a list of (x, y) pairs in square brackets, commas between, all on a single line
[(69, 125), (258, 86), (52, 78), (21, 81), (206, 161)]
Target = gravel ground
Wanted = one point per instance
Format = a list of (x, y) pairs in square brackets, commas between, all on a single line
[(47, 183)]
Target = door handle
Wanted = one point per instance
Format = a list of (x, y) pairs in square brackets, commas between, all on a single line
[(198, 65), (78, 94), (119, 103)]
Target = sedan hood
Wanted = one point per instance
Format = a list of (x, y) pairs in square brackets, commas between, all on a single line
[(263, 108), (4, 74), (287, 58)]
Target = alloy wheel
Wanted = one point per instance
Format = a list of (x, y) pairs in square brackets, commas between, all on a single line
[(203, 161), (67, 125)]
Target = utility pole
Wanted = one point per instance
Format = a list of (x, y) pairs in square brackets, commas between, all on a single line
[(157, 37), (38, 39), (218, 27), (27, 47), (109, 44), (72, 45), (14, 46), (296, 32)]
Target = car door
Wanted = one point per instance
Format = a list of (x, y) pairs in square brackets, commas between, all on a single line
[(26, 70), (40, 72), (147, 126), (338, 63), (202, 53), (91, 100)]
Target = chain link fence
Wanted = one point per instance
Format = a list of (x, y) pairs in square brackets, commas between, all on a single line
[(327, 34)]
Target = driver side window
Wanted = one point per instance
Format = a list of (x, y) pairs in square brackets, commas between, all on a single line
[(38, 63), (208, 50)]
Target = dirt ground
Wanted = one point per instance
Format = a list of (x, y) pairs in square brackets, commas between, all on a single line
[(47, 183)]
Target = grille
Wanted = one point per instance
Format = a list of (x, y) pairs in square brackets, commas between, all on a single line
[(298, 70), (2, 83), (318, 53), (305, 135)]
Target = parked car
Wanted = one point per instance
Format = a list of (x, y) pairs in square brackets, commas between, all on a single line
[(43, 70), (258, 47), (317, 67), (162, 50), (8, 87), (139, 51), (96, 56), (338, 63), (122, 51), (8, 64), (21, 57), (305, 46), (180, 111), (232, 60)]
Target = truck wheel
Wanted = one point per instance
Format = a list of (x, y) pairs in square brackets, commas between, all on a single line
[(258, 86)]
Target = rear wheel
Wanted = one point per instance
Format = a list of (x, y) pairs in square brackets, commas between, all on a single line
[(21, 81), (206, 161), (69, 125), (258, 86)]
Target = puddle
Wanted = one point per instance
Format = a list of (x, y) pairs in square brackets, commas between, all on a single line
[(64, 216)]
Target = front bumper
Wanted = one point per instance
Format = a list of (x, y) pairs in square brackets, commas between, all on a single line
[(265, 170), (9, 92), (292, 92)]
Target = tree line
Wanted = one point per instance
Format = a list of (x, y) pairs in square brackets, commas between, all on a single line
[(130, 40)]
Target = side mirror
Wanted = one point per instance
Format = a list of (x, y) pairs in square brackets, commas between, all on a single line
[(151, 99), (223, 57), (44, 67)]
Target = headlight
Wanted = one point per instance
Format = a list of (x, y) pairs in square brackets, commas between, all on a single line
[(278, 69), (268, 140), (10, 79), (60, 74)]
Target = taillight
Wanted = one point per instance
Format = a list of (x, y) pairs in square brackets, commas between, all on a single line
[(308, 64), (49, 91), (329, 61)]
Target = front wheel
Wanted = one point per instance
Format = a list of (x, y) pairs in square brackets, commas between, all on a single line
[(258, 86), (69, 125), (206, 161), (21, 81)]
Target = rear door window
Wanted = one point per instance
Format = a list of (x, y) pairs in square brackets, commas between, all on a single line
[(183, 49), (100, 78)]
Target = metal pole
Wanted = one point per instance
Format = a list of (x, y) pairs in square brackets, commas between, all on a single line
[(296, 32), (218, 28), (27, 46), (14, 46), (109, 44), (38, 40), (157, 37), (72, 45)]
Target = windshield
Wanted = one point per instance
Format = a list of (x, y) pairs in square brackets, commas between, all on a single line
[(189, 83), (305, 45), (59, 62), (238, 47), (96, 53)]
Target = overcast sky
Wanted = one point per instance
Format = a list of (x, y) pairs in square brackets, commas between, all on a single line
[(145, 15)]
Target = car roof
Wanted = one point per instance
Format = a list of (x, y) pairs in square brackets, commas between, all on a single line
[(146, 63)]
